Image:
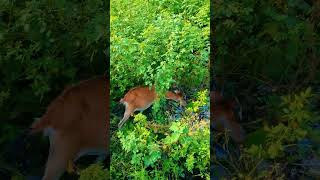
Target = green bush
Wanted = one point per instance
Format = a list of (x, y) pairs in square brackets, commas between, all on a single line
[(159, 42), (265, 50), (273, 41), (271, 150), (162, 43), (159, 151), (94, 172), (44, 46)]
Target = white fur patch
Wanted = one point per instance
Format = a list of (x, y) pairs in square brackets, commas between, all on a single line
[(50, 133), (142, 109), (126, 104)]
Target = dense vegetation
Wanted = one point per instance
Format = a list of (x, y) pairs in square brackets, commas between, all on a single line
[(44, 46), (267, 55), (165, 43)]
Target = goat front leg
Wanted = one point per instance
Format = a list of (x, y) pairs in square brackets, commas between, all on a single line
[(129, 111)]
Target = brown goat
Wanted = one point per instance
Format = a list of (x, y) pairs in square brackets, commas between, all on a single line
[(224, 117), (77, 123), (141, 98)]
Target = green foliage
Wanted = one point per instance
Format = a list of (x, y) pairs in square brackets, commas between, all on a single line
[(94, 172), (44, 46), (201, 100), (293, 125), (17, 177), (8, 133), (280, 146), (159, 42), (162, 43), (158, 151), (296, 110), (267, 48), (271, 41)]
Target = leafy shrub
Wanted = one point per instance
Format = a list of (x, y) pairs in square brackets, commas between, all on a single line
[(159, 151), (293, 125), (159, 42), (94, 172), (44, 46), (282, 141), (261, 49), (273, 41)]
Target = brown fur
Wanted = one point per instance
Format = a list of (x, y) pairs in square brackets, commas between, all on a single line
[(140, 98), (80, 120), (224, 117)]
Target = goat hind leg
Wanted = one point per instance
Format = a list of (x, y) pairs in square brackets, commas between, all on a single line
[(126, 116), (61, 151)]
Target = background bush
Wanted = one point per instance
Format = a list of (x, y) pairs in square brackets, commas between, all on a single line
[(44, 46), (267, 55), (275, 41)]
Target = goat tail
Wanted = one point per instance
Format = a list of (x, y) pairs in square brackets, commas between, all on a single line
[(121, 100), (39, 125)]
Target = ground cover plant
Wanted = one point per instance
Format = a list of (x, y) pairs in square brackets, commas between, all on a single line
[(166, 44)]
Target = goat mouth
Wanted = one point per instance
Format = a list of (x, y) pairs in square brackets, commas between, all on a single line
[(183, 104)]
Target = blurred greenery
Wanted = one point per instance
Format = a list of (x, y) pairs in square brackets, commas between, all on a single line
[(44, 46), (267, 56), (274, 41)]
